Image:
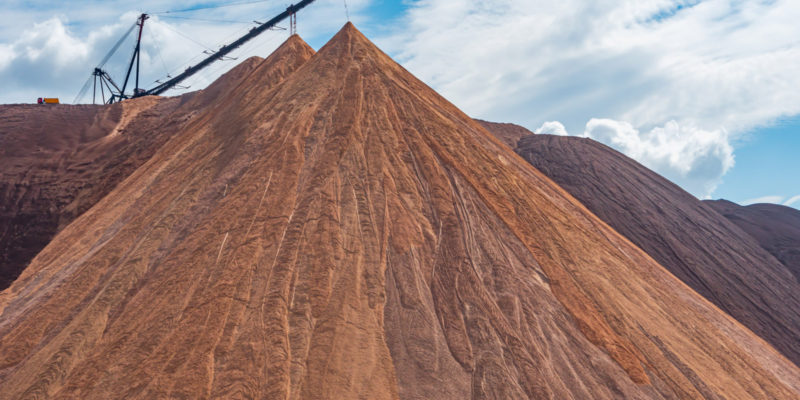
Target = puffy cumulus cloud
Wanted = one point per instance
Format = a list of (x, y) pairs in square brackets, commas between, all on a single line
[(552, 128), (41, 57), (694, 158), (688, 77), (49, 39)]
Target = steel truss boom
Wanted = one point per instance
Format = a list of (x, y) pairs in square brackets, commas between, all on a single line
[(224, 50)]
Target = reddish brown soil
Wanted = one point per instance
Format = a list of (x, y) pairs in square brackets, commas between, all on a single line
[(775, 227), (57, 161), (685, 235), (349, 233), (510, 134)]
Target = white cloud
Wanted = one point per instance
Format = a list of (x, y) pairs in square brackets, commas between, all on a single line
[(764, 199), (552, 128), (44, 56), (50, 39), (688, 81), (694, 158), (6, 55), (573, 60), (792, 201)]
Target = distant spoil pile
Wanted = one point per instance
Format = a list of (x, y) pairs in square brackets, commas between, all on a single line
[(706, 251), (775, 227)]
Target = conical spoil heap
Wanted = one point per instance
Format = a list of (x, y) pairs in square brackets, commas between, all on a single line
[(348, 233)]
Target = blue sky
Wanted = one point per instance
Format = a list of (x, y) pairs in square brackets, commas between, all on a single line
[(767, 166), (703, 92)]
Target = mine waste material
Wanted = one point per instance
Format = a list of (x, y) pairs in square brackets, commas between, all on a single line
[(705, 250), (331, 228), (775, 227)]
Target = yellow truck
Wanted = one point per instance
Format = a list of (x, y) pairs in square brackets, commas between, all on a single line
[(48, 100)]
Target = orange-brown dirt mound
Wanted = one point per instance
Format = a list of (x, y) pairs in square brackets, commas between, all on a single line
[(349, 233)]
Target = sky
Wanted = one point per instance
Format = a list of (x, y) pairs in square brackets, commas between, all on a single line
[(703, 92)]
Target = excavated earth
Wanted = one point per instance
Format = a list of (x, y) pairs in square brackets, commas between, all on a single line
[(332, 228), (775, 227), (58, 161), (688, 237)]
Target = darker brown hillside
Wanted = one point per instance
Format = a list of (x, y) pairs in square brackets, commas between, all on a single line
[(350, 234), (775, 227), (685, 235), (57, 161), (510, 134)]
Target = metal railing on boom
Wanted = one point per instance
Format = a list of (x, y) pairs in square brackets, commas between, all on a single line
[(117, 93), (224, 50)]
